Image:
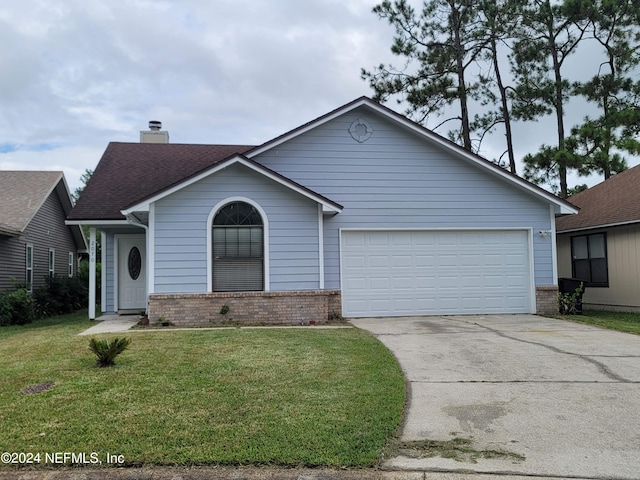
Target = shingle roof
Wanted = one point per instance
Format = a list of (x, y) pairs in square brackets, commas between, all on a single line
[(257, 167), (22, 193), (614, 201), (131, 172)]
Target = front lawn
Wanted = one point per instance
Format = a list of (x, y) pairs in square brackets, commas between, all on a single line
[(311, 396), (623, 321)]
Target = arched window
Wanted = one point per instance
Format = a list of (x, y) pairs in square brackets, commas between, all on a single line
[(238, 249)]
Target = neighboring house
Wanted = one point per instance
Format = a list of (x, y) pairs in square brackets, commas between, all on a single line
[(601, 245), (360, 212), (34, 240)]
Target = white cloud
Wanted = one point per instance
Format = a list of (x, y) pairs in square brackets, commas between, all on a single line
[(81, 73)]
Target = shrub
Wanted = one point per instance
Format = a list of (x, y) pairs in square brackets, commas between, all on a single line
[(83, 275), (60, 295), (17, 308), (568, 303), (108, 350)]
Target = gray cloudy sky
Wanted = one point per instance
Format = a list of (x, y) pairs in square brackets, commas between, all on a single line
[(78, 74)]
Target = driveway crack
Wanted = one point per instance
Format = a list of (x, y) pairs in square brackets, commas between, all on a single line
[(602, 367)]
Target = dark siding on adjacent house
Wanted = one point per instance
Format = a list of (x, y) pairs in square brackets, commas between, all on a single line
[(46, 230), (12, 261)]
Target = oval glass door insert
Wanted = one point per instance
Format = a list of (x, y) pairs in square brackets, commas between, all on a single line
[(135, 263)]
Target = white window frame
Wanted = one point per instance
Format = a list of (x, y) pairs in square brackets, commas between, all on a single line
[(52, 262), (265, 226), (28, 261), (70, 264)]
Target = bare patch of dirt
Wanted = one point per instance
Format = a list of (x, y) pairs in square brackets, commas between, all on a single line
[(37, 388)]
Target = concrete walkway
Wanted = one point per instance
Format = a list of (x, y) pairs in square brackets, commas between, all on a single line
[(565, 396), (123, 323)]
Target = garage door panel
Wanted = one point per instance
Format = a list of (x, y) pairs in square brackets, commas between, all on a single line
[(400, 239), (401, 261), (470, 281), (381, 240), (355, 261), (420, 272), (516, 303), (403, 283), (355, 239), (447, 260), (425, 260), (425, 281), (356, 284), (423, 238), (514, 260), (379, 283), (445, 238), (378, 261)]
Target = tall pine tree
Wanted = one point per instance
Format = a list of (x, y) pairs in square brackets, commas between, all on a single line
[(598, 143), (499, 19), (439, 45), (547, 38)]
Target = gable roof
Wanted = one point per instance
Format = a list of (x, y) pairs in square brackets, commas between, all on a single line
[(128, 173), (22, 193), (561, 206), (615, 201), (327, 204)]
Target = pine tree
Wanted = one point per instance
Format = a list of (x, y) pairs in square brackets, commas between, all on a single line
[(439, 46)]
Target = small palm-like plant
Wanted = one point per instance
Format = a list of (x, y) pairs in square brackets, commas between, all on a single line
[(108, 350)]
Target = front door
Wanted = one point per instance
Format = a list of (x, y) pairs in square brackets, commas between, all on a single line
[(132, 276)]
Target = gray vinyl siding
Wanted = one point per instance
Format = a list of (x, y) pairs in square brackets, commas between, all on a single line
[(46, 230), (12, 261), (181, 231), (398, 180)]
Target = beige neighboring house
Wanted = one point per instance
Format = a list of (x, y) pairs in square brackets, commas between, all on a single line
[(601, 244)]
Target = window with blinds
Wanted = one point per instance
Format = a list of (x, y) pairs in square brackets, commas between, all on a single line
[(238, 249)]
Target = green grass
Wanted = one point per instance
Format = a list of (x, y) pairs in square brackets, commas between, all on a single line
[(299, 397), (622, 321)]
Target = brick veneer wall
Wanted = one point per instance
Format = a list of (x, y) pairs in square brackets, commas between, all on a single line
[(272, 308), (547, 300)]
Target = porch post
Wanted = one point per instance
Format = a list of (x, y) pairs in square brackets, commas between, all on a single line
[(92, 273)]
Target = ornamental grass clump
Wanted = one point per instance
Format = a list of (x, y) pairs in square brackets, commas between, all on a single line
[(108, 350)]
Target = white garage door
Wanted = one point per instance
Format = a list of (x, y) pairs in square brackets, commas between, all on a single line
[(395, 273)]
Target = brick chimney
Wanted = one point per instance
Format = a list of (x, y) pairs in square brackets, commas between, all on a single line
[(155, 134)]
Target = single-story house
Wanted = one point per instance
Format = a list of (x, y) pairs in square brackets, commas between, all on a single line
[(35, 242), (360, 212), (601, 244)]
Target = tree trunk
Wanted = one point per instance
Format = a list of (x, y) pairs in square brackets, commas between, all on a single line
[(506, 115), (462, 90), (562, 166)]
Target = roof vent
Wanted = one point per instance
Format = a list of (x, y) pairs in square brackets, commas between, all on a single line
[(155, 134)]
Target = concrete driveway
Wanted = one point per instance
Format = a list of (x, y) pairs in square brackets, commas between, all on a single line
[(563, 395)]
